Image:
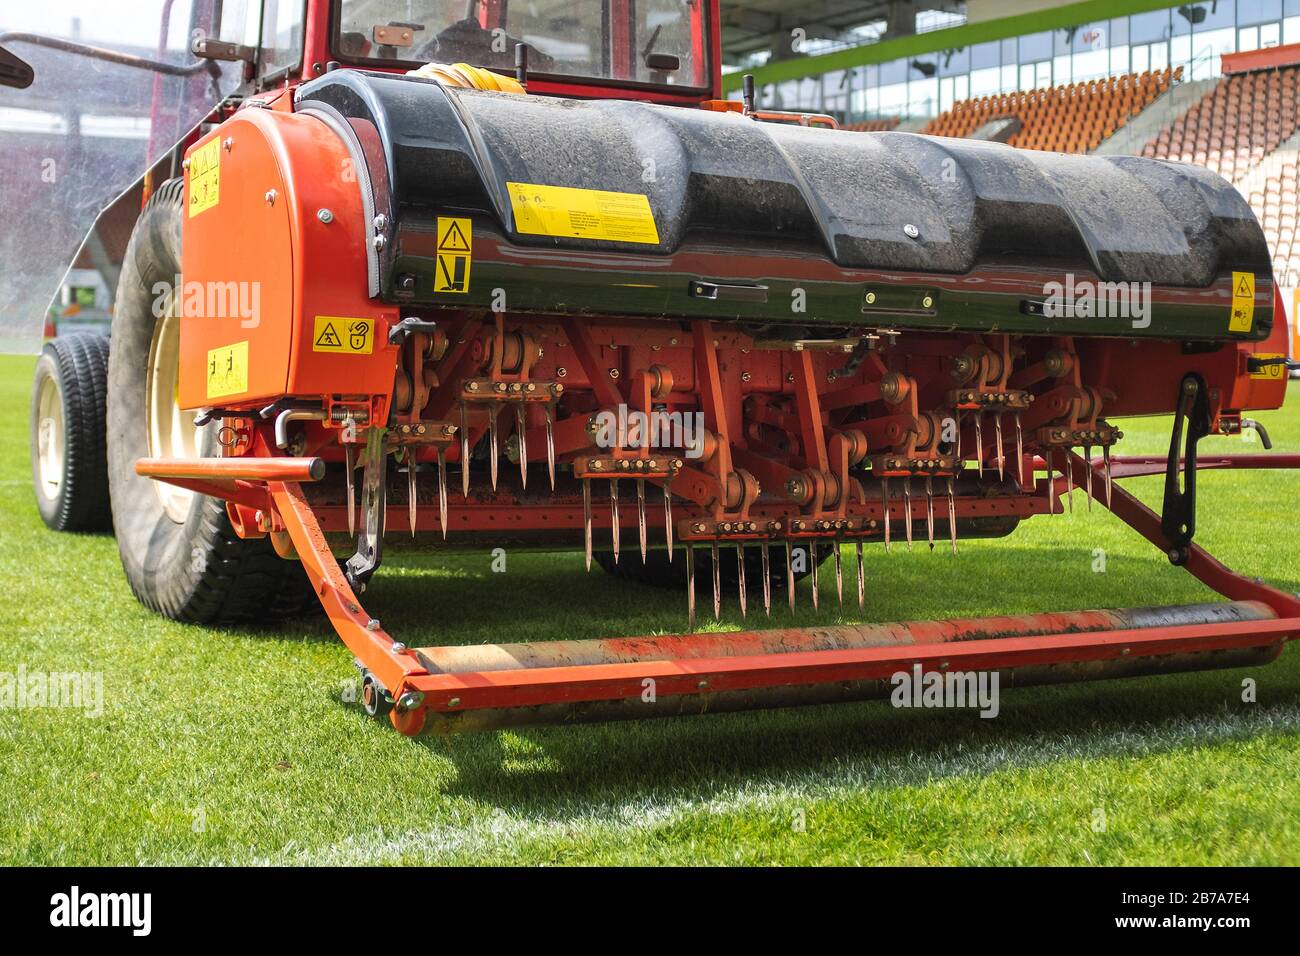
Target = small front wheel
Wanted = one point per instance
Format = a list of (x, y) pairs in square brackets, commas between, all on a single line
[(69, 465), (376, 701)]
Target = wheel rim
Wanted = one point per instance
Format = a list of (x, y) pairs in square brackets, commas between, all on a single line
[(172, 433), (50, 438)]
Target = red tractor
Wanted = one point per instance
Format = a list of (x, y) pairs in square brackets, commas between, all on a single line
[(516, 274)]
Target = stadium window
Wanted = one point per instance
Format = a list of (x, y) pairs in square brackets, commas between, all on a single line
[(1149, 27), (1035, 46), (1251, 12), (1027, 76), (1270, 34), (1291, 30), (984, 55), (1141, 59), (1061, 70), (1118, 60), (1248, 38), (985, 82)]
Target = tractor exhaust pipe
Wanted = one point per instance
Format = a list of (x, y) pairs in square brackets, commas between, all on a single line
[(471, 688)]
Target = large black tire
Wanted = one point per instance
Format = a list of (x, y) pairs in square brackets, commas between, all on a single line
[(658, 572), (71, 495), (197, 569)]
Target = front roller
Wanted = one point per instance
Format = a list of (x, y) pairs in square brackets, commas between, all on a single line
[(488, 687)]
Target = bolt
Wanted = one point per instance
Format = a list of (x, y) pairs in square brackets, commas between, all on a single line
[(325, 216), (270, 197), (411, 700), (372, 624), (227, 144), (745, 376), (380, 222), (454, 702), (871, 298), (613, 373), (927, 302), (379, 242), (789, 376), (185, 164), (911, 231)]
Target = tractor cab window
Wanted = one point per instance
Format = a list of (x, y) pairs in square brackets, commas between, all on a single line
[(659, 42)]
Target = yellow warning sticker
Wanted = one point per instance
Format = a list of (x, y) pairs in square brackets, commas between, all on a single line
[(1274, 373), (228, 370), (582, 213), (1243, 302), (455, 249), (337, 334), (205, 176)]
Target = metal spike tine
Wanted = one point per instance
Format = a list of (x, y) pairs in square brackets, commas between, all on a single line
[(493, 452), (613, 513), (550, 444), (521, 416), (816, 585), (839, 575), (690, 587), (586, 519), (979, 443), (884, 501), (997, 440), (767, 579), (717, 582), (907, 505), (740, 580), (668, 518), (789, 573), (929, 511), (410, 489), (1069, 480), (640, 514), (1087, 453), (1105, 457), (862, 578), (952, 516), (464, 450), (350, 467), (956, 451), (442, 491), (1051, 482), (1020, 452)]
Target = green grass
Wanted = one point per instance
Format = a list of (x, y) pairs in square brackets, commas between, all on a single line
[(243, 730)]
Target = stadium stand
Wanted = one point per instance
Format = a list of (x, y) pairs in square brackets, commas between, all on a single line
[(1068, 119), (1243, 119), (882, 125)]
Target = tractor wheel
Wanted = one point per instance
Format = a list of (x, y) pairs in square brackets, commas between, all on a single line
[(67, 436), (658, 572), (181, 555)]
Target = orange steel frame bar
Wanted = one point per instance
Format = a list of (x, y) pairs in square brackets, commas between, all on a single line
[(399, 668)]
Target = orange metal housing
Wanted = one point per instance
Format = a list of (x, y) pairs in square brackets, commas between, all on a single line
[(280, 242)]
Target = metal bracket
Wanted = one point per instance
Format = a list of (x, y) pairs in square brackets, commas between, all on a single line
[(370, 539), (209, 49), (1191, 424)]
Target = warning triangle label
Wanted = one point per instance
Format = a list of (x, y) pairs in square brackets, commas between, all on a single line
[(453, 240), (1243, 287), (328, 338)]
